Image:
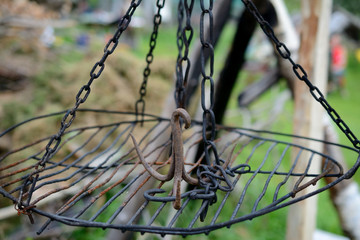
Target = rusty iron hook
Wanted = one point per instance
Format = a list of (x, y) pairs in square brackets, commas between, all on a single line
[(177, 166)]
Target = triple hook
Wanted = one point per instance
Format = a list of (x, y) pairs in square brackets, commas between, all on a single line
[(177, 166)]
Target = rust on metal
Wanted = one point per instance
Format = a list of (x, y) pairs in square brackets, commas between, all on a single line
[(177, 170)]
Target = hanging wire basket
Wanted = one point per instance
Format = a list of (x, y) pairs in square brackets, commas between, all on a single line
[(96, 175), (135, 171)]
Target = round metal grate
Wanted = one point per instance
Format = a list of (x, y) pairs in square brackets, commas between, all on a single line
[(97, 179)]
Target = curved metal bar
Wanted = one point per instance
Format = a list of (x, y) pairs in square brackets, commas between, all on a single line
[(148, 168), (193, 194)]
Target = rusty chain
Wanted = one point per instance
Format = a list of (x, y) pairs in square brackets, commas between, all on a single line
[(301, 73)]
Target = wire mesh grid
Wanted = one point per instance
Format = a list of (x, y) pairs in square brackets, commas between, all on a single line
[(98, 180)]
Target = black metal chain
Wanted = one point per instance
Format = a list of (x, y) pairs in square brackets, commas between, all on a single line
[(140, 103), (95, 73), (180, 45), (301, 73), (184, 37), (80, 98), (207, 77)]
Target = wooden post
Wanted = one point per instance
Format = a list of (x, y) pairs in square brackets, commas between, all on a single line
[(313, 56)]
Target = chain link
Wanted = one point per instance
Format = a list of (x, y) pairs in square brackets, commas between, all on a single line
[(301, 73), (140, 103), (184, 36), (206, 40), (80, 98), (95, 73), (180, 45)]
